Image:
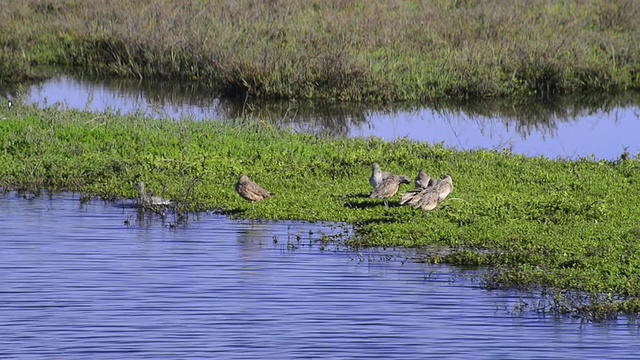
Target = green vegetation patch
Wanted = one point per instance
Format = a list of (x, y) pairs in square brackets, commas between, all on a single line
[(556, 224)]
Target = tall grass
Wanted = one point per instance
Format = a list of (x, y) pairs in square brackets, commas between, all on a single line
[(337, 50)]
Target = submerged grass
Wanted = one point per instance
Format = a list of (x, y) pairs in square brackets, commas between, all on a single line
[(557, 224), (335, 50)]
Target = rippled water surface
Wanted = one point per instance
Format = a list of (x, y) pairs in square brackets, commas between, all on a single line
[(560, 127), (79, 283)]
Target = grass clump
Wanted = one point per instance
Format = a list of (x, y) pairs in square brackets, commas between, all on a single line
[(557, 224), (337, 50)]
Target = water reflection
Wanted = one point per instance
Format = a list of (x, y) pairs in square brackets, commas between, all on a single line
[(567, 127)]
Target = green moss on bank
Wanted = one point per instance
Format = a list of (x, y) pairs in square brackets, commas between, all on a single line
[(571, 225)]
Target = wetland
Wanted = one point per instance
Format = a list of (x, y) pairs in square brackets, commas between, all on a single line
[(533, 222), (560, 218)]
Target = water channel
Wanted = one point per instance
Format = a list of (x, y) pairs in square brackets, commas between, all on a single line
[(564, 127), (79, 283)]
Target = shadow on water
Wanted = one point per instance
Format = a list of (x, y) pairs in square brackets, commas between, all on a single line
[(569, 127), (543, 116)]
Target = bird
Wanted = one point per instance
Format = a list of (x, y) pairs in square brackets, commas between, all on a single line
[(377, 175), (423, 180), (411, 197), (251, 191), (428, 198), (427, 201), (146, 200), (389, 187), (423, 199), (444, 187)]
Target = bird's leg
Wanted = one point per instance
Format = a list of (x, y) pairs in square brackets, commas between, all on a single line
[(386, 205), (253, 207)]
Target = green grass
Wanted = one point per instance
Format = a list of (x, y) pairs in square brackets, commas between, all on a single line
[(572, 226), (335, 50)]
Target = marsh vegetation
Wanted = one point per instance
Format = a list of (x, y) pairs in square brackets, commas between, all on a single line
[(335, 50)]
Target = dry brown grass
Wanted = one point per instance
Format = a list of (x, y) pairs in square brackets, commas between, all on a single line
[(338, 49)]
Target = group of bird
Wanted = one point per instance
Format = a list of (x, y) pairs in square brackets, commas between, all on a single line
[(426, 196)]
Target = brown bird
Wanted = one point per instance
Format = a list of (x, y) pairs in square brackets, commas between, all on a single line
[(423, 199), (428, 199), (146, 200), (444, 187), (389, 187), (251, 191), (423, 180), (377, 175), (411, 197)]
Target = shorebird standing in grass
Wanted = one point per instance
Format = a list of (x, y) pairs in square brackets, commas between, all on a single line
[(251, 191), (389, 187), (377, 175), (146, 200), (423, 199), (444, 187), (423, 180), (427, 199)]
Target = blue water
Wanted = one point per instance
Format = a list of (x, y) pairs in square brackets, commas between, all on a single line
[(79, 283), (601, 132)]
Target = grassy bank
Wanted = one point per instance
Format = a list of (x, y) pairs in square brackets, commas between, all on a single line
[(565, 225), (336, 50)]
